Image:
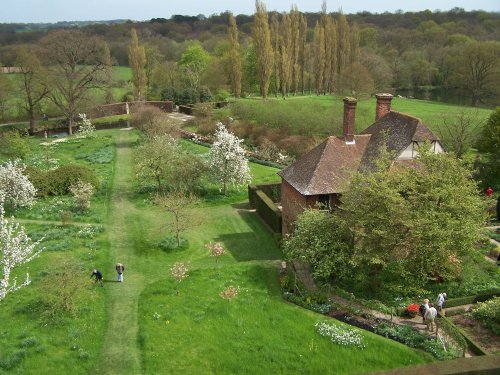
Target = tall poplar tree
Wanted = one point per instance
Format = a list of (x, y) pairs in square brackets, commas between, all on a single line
[(355, 51), (275, 31), (343, 48), (295, 48), (303, 50), (137, 62), (285, 54), (319, 56), (263, 48), (234, 56)]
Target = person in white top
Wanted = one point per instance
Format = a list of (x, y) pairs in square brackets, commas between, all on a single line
[(440, 300), (430, 316)]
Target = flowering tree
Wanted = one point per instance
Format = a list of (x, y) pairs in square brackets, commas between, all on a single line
[(17, 189), (82, 192), (16, 248), (216, 249), (179, 273), (86, 130), (227, 159)]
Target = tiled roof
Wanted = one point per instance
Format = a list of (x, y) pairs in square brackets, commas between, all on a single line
[(327, 168)]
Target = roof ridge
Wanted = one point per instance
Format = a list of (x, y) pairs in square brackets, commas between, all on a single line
[(407, 115)]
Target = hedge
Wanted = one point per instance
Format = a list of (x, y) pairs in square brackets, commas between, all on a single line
[(268, 211), (472, 345), (454, 302), (58, 181), (272, 190)]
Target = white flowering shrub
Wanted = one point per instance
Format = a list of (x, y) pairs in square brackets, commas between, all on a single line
[(86, 130), (14, 184), (82, 191), (216, 249), (179, 273), (16, 248), (88, 231), (227, 159), (340, 335)]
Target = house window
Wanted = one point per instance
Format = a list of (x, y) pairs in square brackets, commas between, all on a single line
[(324, 202)]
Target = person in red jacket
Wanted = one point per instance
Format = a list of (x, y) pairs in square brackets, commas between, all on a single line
[(489, 192)]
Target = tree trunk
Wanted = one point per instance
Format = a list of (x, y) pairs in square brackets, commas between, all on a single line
[(32, 122), (70, 125)]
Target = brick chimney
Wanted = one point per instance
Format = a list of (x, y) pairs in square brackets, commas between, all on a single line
[(349, 119), (383, 105)]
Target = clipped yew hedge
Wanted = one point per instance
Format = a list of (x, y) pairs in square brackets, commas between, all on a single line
[(265, 206), (454, 302)]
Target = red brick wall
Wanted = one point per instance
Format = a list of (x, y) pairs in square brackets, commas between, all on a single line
[(292, 204), (383, 105)]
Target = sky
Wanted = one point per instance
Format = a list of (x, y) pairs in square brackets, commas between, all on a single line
[(27, 11)]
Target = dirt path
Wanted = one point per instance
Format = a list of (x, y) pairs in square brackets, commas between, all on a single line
[(120, 354)]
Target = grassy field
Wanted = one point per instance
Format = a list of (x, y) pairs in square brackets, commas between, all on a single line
[(323, 115), (141, 326), (15, 111)]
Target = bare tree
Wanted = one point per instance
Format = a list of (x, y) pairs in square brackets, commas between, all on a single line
[(76, 63), (33, 87), (459, 131), (179, 203)]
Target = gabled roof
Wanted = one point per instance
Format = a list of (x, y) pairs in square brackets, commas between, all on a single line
[(398, 130), (327, 168)]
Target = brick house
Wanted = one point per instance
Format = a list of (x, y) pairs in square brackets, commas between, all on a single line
[(322, 174)]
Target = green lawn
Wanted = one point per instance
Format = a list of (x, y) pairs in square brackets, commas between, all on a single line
[(141, 326), (323, 115)]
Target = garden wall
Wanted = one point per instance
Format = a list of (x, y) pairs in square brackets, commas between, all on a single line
[(261, 198), (121, 108)]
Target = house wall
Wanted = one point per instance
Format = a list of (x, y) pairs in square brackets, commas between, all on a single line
[(292, 204), (411, 151)]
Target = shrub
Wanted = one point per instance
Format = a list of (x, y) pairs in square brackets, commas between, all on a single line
[(28, 342), (489, 313), (170, 243), (221, 95), (58, 181), (187, 96), (203, 110), (204, 94), (169, 93), (13, 360), (82, 192), (13, 145)]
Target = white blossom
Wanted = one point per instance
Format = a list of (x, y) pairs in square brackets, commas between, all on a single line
[(227, 159), (82, 191), (86, 130), (17, 189), (340, 335), (16, 248)]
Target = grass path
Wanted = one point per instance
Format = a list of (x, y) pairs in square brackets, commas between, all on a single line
[(120, 353)]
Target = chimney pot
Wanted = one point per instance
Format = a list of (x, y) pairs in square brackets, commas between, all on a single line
[(349, 119), (383, 105)]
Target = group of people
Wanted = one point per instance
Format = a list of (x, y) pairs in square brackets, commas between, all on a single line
[(429, 312), (98, 274)]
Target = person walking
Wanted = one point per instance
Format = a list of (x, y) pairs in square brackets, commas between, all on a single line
[(430, 316), (119, 269), (98, 276), (440, 300), (423, 308)]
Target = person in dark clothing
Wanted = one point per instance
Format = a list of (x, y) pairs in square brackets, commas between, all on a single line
[(98, 276)]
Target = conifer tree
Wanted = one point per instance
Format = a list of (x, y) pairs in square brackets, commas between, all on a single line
[(137, 62), (263, 47), (234, 55)]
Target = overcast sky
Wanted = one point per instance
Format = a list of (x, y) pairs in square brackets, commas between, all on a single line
[(139, 10)]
